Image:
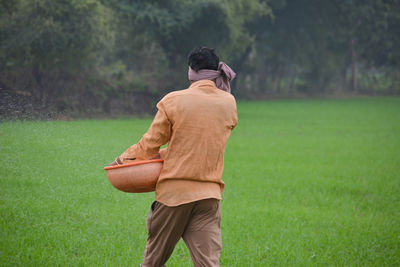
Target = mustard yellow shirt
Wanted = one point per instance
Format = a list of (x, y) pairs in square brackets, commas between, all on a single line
[(196, 123)]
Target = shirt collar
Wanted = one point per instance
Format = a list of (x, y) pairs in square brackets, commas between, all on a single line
[(203, 83)]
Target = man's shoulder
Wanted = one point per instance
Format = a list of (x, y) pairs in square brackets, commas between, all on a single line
[(229, 95), (176, 93), (226, 96), (171, 95)]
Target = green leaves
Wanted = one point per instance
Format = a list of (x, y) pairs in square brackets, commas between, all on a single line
[(53, 33), (62, 50)]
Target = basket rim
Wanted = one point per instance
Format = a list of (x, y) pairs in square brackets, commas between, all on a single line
[(139, 162)]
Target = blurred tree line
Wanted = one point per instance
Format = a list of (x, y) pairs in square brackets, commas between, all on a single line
[(99, 57)]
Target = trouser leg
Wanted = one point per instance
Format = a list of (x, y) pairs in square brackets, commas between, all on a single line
[(165, 226), (203, 233)]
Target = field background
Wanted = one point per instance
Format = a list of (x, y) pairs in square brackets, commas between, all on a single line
[(308, 183)]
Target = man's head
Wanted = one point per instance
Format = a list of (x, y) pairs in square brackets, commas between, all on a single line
[(203, 58)]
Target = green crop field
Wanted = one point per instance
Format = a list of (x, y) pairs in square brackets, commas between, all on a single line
[(308, 183)]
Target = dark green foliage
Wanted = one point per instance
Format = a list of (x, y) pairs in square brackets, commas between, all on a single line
[(99, 57), (61, 34), (46, 49)]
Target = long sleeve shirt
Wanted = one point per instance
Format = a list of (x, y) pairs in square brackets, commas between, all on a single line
[(196, 123)]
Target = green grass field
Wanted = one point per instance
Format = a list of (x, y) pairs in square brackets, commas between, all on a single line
[(308, 183)]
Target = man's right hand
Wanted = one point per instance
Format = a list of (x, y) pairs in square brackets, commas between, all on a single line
[(158, 156), (117, 161)]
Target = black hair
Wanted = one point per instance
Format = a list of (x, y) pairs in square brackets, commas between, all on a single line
[(203, 58)]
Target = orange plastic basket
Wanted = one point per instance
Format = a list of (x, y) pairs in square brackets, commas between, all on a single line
[(135, 177)]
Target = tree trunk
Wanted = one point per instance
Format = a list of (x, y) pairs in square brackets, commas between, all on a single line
[(343, 81), (238, 64), (277, 76), (293, 74), (41, 98), (354, 67)]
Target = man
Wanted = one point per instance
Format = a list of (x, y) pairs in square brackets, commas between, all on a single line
[(196, 123)]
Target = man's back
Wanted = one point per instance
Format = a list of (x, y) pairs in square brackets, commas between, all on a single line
[(202, 118)]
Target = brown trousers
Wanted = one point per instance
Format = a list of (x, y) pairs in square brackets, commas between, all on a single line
[(198, 223)]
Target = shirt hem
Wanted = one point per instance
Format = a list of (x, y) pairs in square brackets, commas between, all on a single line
[(187, 201)]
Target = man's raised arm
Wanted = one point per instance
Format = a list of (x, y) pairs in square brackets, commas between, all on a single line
[(157, 135)]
